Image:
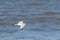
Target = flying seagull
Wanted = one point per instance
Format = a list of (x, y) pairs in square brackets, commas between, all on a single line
[(21, 24)]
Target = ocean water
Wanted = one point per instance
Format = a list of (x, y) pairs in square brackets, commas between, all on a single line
[(42, 18)]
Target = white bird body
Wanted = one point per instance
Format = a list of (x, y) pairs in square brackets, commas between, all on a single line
[(21, 24)]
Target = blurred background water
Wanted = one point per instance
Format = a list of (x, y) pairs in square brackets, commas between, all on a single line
[(41, 16)]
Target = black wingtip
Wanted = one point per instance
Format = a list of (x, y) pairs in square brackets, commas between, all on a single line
[(21, 29)]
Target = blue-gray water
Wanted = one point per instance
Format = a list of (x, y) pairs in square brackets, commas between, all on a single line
[(41, 16)]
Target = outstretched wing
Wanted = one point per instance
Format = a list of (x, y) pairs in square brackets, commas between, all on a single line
[(20, 22), (21, 27)]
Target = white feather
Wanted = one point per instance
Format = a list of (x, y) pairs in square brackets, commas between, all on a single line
[(21, 24)]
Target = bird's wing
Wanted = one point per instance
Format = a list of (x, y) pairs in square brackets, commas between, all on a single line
[(21, 27), (20, 22)]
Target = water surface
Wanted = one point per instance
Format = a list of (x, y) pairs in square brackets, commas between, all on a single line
[(41, 16)]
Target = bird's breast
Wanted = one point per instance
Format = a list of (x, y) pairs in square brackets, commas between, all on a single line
[(22, 24)]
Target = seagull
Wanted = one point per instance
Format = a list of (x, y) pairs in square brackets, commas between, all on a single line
[(21, 24)]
